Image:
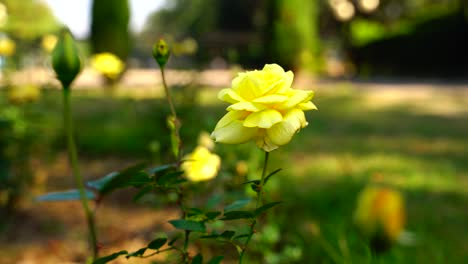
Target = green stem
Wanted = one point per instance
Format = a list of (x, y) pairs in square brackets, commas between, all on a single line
[(262, 180), (174, 114), (73, 156), (168, 93), (258, 204), (178, 159)]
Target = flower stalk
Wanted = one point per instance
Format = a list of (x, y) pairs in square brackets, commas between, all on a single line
[(161, 54), (67, 64), (73, 156), (258, 204)]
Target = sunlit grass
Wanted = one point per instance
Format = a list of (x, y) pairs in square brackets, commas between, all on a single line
[(415, 140)]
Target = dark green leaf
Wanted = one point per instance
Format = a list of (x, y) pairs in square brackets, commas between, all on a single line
[(103, 260), (173, 240), (214, 235), (138, 179), (212, 215), (271, 174), (252, 181), (265, 207), (170, 178), (188, 225), (255, 187), (232, 215), (142, 192), (123, 178), (237, 204), (241, 236), (216, 260), (157, 243), (161, 168), (228, 234), (198, 259), (137, 253), (70, 195), (99, 183), (194, 211), (214, 201)]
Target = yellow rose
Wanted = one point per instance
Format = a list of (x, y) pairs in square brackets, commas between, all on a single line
[(201, 164), (107, 64), (7, 47), (380, 214), (264, 108)]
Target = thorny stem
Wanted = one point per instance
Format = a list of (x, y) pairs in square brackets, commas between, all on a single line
[(259, 203), (180, 199), (174, 115), (73, 156)]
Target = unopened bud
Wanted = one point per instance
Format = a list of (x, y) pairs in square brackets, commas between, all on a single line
[(65, 59), (161, 52)]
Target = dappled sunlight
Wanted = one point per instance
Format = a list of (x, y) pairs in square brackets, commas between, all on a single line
[(408, 172)]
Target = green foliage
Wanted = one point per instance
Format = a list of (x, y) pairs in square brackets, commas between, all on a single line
[(216, 260), (198, 259), (18, 140), (189, 225), (111, 257), (237, 204), (157, 243), (109, 27), (264, 208), (409, 143), (71, 195), (234, 215), (132, 176)]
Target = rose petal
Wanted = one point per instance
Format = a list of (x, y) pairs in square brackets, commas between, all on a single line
[(247, 87), (266, 144), (228, 95), (297, 97), (264, 119), (282, 133), (307, 106), (234, 133), (273, 68), (246, 106), (271, 99), (230, 117)]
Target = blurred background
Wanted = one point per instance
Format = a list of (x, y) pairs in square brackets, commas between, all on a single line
[(391, 83)]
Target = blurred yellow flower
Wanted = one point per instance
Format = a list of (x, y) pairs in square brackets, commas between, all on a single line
[(7, 47), (205, 140), (242, 168), (107, 64), (48, 42), (201, 164), (264, 108), (380, 214), (24, 94)]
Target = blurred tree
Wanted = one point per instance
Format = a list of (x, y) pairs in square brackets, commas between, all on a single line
[(109, 27), (246, 32), (295, 41), (180, 19), (410, 38), (28, 19)]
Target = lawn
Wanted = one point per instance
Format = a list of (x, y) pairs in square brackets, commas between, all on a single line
[(412, 138)]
